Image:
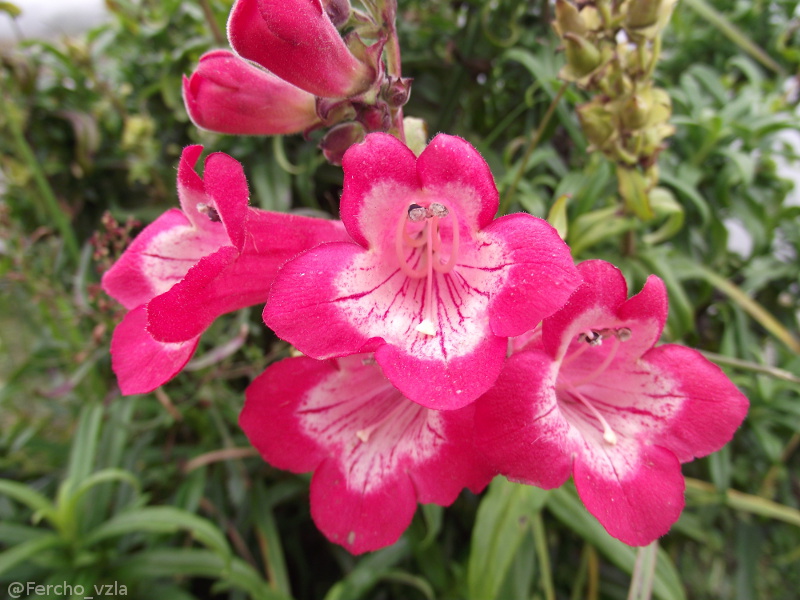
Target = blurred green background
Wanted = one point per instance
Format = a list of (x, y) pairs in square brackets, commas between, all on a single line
[(161, 492)]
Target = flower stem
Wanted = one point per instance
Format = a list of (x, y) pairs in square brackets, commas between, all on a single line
[(504, 205), (50, 208), (219, 37)]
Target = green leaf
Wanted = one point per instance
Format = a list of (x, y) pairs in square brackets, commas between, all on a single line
[(26, 550), (503, 520), (557, 217), (169, 562), (162, 519), (368, 572), (29, 497), (567, 508)]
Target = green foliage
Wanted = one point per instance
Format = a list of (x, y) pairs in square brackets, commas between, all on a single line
[(160, 492)]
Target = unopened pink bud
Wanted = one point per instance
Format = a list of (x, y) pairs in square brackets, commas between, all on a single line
[(296, 40), (229, 95)]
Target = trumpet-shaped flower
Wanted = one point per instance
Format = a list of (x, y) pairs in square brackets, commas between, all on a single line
[(190, 266), (296, 40), (230, 95), (374, 453), (591, 396), (431, 282)]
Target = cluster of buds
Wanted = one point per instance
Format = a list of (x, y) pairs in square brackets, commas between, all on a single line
[(611, 49), (299, 66)]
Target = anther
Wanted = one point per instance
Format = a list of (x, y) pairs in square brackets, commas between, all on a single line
[(209, 211), (591, 337), (438, 210), (416, 213), (624, 334)]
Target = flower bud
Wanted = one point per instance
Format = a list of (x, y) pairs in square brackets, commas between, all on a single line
[(583, 57), (568, 19), (338, 11), (597, 123), (229, 95), (339, 139), (635, 110), (296, 40)]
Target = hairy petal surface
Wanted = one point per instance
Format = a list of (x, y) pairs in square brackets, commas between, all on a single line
[(374, 453), (227, 94)]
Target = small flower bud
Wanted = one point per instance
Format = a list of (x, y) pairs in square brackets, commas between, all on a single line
[(339, 139), (583, 57), (568, 19)]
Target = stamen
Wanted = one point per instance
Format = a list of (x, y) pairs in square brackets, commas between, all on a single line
[(209, 211), (400, 238), (438, 210), (603, 366), (609, 436), (429, 262), (416, 213), (427, 327)]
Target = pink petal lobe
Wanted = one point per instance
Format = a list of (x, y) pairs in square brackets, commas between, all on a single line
[(375, 453), (185, 310), (450, 166), (226, 187), (228, 281), (602, 303), (191, 190), (539, 273), (380, 173), (636, 497), (227, 94), (297, 41), (302, 305), (141, 363), (712, 409), (442, 383), (129, 281), (519, 426)]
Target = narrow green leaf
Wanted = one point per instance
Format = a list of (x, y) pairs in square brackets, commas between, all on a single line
[(557, 217), (162, 519), (169, 562), (733, 33), (26, 550), (29, 497), (503, 520), (369, 570)]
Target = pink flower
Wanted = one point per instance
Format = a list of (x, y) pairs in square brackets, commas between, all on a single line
[(230, 95), (190, 266), (374, 453), (430, 283), (591, 396), (296, 40)]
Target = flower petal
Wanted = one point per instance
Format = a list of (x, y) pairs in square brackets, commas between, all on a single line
[(371, 448), (635, 492), (601, 302), (379, 173), (227, 94), (227, 281), (158, 258), (452, 168), (538, 272), (518, 424), (712, 407), (141, 363)]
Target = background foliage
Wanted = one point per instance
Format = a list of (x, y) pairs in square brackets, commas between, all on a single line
[(162, 493)]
